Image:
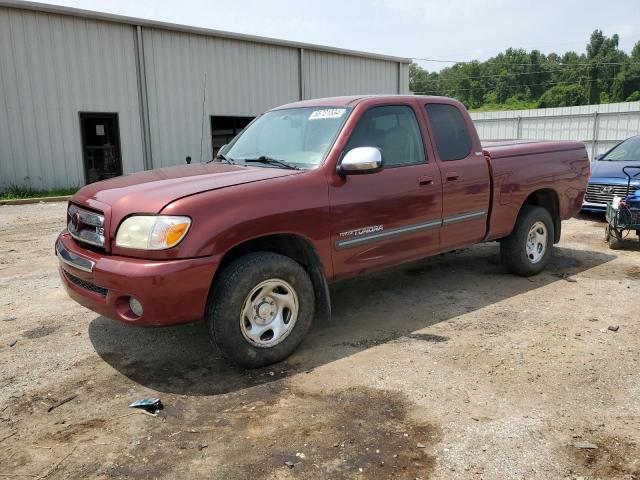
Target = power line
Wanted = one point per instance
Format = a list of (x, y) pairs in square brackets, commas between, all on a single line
[(531, 47), (546, 84), (498, 75), (492, 62)]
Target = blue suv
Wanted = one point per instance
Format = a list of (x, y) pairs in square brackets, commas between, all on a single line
[(607, 179)]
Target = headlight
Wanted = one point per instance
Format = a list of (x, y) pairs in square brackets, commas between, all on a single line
[(152, 232)]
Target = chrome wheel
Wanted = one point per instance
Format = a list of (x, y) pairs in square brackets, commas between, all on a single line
[(537, 242), (269, 313)]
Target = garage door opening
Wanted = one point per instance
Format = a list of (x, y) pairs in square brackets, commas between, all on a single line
[(223, 129), (100, 146)]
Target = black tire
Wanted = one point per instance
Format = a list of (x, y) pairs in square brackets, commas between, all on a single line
[(226, 301), (513, 250)]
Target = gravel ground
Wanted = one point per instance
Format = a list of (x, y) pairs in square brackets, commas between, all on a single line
[(445, 368)]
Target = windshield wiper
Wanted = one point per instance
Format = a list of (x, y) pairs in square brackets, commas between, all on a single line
[(272, 161), (223, 158)]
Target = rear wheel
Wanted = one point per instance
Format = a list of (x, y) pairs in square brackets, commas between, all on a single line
[(260, 309), (528, 249)]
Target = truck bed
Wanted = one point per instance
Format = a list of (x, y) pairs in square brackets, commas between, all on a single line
[(520, 166)]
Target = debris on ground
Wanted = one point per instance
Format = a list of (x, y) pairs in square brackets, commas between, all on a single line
[(585, 445), (419, 445), (566, 277), (202, 446), (150, 405), (613, 328), (12, 343), (61, 402), (9, 319), (289, 464)]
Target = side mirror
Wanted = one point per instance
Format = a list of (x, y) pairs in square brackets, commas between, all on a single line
[(361, 161)]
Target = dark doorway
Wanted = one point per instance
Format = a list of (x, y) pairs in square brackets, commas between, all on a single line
[(223, 129), (100, 146)]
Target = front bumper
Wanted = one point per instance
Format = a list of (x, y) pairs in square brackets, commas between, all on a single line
[(170, 291), (594, 207)]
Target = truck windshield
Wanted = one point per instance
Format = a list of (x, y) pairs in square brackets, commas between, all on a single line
[(627, 151), (299, 136)]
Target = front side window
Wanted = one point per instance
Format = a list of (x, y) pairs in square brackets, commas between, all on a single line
[(627, 151), (300, 136), (449, 131), (394, 130)]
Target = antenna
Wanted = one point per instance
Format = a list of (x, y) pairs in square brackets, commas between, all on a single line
[(204, 98)]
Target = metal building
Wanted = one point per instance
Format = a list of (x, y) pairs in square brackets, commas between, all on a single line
[(85, 96)]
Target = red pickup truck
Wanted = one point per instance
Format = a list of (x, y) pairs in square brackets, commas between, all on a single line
[(309, 193)]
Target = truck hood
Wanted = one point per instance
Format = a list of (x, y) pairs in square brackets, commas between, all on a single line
[(152, 190), (606, 169)]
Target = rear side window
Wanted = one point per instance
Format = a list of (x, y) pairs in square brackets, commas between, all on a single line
[(394, 130), (450, 131)]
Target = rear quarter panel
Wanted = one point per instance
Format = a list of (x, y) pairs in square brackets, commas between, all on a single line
[(521, 169)]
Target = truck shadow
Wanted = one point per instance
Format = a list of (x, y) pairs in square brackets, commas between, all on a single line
[(386, 306)]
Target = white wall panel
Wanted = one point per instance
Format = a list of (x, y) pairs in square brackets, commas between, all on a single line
[(242, 79), (56, 62), (329, 74), (51, 68), (608, 123)]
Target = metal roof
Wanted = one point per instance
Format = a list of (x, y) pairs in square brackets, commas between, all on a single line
[(108, 17)]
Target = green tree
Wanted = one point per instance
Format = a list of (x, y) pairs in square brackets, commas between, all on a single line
[(516, 78), (564, 96)]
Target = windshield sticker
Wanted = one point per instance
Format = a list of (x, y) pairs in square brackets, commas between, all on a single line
[(327, 113)]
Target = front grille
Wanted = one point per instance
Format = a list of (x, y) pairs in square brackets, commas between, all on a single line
[(85, 226), (595, 193), (78, 282)]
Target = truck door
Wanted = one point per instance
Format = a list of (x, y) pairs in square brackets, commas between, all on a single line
[(465, 176), (381, 218)]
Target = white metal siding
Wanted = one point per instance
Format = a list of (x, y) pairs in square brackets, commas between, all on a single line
[(51, 68), (56, 62), (328, 74), (242, 79), (600, 127), (404, 79)]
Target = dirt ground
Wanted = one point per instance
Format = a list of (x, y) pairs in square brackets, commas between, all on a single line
[(442, 369)]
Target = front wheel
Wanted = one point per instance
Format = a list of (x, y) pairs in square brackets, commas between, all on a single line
[(528, 249), (260, 309)]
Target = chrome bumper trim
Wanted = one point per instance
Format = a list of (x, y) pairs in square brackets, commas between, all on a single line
[(74, 260), (393, 232), (409, 229)]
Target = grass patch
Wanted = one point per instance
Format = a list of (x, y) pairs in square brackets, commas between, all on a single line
[(15, 192)]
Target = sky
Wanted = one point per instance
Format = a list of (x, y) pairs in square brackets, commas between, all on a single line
[(458, 30)]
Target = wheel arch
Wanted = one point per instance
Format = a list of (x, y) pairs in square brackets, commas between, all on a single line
[(548, 199), (294, 246)]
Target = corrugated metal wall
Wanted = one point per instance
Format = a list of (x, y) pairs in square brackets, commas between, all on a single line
[(600, 127), (51, 68), (242, 79), (328, 74), (55, 65)]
